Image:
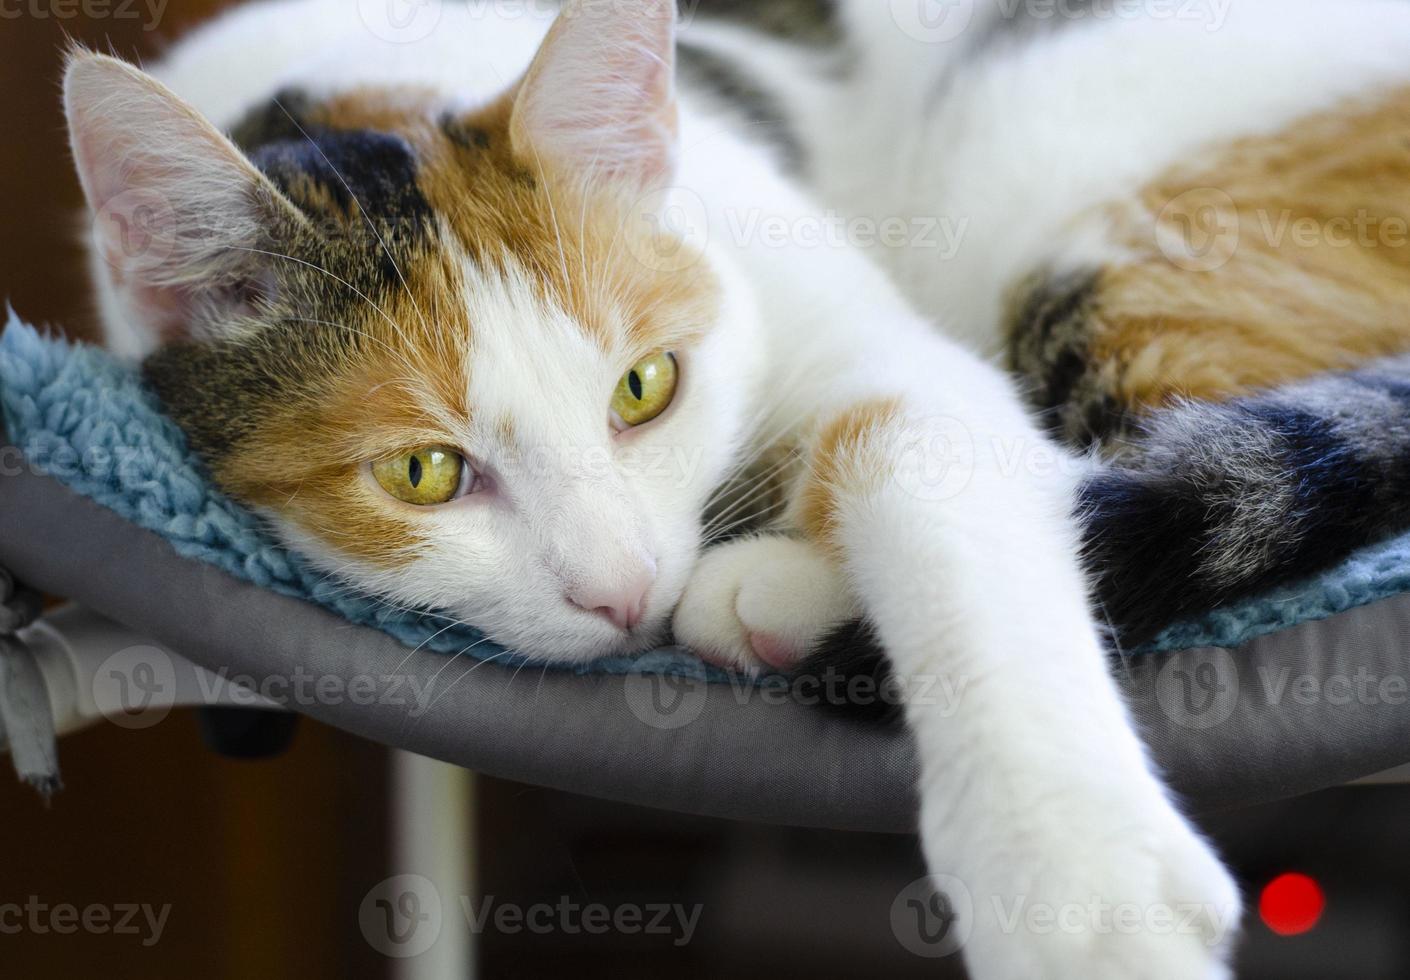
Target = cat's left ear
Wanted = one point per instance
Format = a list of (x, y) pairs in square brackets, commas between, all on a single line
[(183, 223), (599, 99)]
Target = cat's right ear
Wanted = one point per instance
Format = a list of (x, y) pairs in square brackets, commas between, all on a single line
[(181, 219), (599, 98)]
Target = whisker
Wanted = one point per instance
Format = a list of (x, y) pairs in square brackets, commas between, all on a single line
[(331, 275), (762, 487), (399, 355), (553, 216), (478, 664), (748, 518), (449, 626)]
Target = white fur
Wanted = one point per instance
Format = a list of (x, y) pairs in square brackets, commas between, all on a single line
[(574, 506), (772, 590), (1036, 788), (1022, 142)]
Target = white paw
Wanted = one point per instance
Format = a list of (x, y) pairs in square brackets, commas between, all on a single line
[(761, 603), (1144, 900)]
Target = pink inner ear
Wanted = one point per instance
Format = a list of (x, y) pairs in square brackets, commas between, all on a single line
[(171, 198), (599, 98), (171, 311)]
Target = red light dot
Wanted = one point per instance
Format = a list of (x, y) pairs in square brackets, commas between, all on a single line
[(1291, 904)]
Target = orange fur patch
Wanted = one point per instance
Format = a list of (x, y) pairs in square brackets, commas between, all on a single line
[(402, 383), (1279, 257), (847, 458), (591, 248)]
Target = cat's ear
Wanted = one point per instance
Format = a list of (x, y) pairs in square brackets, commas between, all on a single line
[(180, 216), (599, 98)]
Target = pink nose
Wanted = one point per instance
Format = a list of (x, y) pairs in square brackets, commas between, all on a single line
[(623, 605)]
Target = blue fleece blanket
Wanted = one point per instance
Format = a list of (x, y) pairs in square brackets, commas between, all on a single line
[(85, 419)]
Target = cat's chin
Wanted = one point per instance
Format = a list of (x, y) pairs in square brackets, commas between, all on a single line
[(581, 644), (645, 637)]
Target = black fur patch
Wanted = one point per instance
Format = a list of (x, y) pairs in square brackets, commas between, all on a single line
[(850, 668), (376, 171), (281, 118), (1016, 25), (357, 187), (802, 21), (209, 388), (464, 135), (1213, 503), (329, 172), (310, 283), (729, 82), (1049, 337)]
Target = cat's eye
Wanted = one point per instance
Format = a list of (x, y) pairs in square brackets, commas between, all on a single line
[(645, 391), (424, 477)]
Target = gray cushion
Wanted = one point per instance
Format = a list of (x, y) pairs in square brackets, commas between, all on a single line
[(1229, 728)]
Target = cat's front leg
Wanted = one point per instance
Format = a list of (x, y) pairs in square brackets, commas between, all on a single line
[(950, 516)]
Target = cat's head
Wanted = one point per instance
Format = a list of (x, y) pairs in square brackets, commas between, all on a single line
[(449, 352)]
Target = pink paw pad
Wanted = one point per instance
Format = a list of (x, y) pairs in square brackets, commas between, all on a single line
[(774, 650)]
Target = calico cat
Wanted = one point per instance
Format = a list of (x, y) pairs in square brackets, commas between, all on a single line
[(424, 297), (1168, 270)]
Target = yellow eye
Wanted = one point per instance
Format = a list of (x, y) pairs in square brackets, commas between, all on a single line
[(424, 477), (645, 391)]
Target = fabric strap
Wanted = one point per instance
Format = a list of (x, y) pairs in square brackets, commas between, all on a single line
[(26, 721)]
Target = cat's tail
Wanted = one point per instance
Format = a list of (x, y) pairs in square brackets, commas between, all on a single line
[(1211, 502)]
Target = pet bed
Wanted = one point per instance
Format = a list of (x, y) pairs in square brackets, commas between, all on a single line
[(100, 502)]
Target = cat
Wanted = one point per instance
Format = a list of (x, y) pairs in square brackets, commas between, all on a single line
[(1177, 304), (466, 311)]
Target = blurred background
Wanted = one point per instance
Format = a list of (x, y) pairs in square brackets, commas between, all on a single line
[(268, 868)]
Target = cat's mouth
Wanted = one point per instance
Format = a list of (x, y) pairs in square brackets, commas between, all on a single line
[(590, 635)]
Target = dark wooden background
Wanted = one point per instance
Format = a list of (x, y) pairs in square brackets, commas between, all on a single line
[(42, 271), (252, 857)]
